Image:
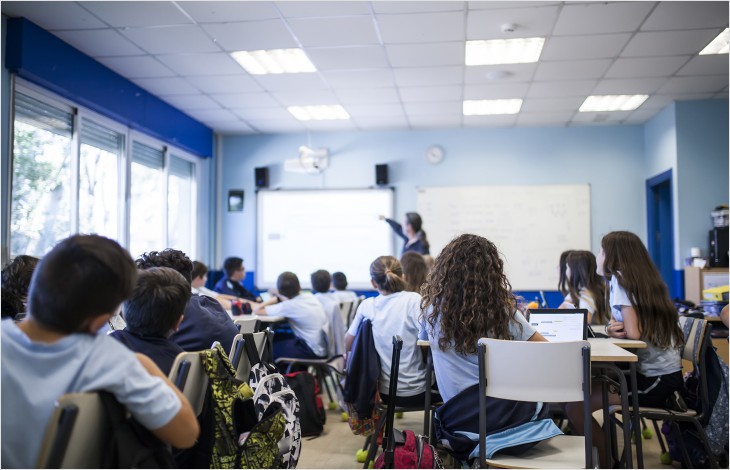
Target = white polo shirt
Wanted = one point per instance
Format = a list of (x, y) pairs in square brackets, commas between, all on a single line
[(307, 319)]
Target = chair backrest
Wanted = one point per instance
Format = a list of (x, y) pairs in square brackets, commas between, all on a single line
[(336, 333), (345, 308), (76, 434), (694, 333), (188, 375), (240, 360), (247, 325), (355, 304), (392, 393)]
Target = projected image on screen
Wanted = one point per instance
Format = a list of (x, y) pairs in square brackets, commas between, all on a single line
[(337, 230)]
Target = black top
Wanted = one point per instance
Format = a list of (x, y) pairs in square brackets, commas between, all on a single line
[(228, 287), (161, 350), (417, 246), (204, 323)]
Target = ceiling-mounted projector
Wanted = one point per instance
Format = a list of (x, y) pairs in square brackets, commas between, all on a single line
[(310, 161)]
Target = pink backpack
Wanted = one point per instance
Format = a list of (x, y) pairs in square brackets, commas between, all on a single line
[(411, 451)]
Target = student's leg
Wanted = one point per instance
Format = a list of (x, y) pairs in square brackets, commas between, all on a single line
[(292, 347)]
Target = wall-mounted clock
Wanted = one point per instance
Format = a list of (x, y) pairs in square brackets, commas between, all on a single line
[(434, 154)]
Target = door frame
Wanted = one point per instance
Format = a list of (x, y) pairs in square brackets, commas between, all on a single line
[(653, 212)]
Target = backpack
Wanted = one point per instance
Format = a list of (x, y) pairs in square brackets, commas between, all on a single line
[(131, 444), (270, 387), (411, 451), (360, 390), (311, 410)]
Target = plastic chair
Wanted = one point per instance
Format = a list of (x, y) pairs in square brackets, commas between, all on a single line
[(247, 325), (76, 434), (353, 310), (189, 377), (240, 360), (345, 308), (537, 371)]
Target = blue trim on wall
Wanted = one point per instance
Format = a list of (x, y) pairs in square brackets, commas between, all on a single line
[(40, 57), (678, 288)]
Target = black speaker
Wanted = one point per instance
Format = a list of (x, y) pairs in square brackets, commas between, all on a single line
[(719, 247), (381, 174), (262, 177)]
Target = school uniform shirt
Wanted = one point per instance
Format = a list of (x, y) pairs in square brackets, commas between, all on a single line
[(343, 296), (204, 323), (226, 286), (455, 372), (585, 301), (395, 314), (336, 326), (653, 361), (307, 319), (202, 290), (35, 374), (161, 350)]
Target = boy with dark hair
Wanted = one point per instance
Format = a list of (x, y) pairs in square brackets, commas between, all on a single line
[(306, 316), (231, 282), (153, 313), (321, 281), (341, 294), (204, 321), (75, 290)]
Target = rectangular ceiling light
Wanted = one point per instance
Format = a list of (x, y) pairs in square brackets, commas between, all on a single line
[(719, 45), (319, 113), (274, 61), (504, 51), (487, 107), (598, 103)]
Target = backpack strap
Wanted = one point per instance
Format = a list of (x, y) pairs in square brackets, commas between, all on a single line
[(251, 351)]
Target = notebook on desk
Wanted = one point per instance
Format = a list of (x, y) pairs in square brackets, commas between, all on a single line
[(560, 324)]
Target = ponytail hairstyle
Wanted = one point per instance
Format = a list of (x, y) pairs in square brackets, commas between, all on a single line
[(626, 258), (583, 275), (563, 280), (414, 220), (387, 273)]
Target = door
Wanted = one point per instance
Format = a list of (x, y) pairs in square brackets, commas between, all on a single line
[(660, 229)]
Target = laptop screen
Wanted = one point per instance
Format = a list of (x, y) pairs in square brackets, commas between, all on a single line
[(560, 324)]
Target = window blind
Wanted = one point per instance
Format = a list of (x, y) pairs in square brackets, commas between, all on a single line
[(181, 168), (36, 113), (147, 156), (101, 137)]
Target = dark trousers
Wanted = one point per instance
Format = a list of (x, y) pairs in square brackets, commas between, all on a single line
[(292, 346)]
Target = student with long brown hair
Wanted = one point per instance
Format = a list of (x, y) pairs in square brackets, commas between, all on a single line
[(586, 289), (562, 279), (415, 270)]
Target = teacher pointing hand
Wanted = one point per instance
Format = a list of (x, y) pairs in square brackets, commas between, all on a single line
[(411, 232)]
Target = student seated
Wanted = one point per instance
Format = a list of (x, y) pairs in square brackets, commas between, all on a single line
[(204, 321), (340, 293), (16, 277), (321, 280), (306, 316), (56, 350), (394, 312), (153, 313), (586, 289), (415, 270), (231, 282)]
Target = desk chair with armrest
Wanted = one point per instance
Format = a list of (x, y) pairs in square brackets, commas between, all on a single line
[(548, 372)]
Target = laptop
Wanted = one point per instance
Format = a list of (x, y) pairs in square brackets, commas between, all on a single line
[(265, 296), (560, 324)]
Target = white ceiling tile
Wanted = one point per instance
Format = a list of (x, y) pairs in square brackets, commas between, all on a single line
[(226, 12), (584, 47), (237, 101), (328, 8), (416, 7), (601, 17), (556, 118), (442, 93), (191, 102), (657, 101), (645, 67), (343, 58), (693, 96), (662, 43), (640, 115), (251, 35), (377, 78), (382, 123), (294, 97), (137, 14), (546, 105), (430, 109), (291, 81), (687, 15), (171, 40), (561, 89), (215, 63), (330, 126), (612, 116), (435, 122), (53, 15), (716, 64), (493, 91), (509, 4), (262, 114), (167, 86), (206, 115), (99, 42), (347, 31), (571, 70), (218, 84), (422, 27), (278, 126), (634, 86), (136, 67), (490, 73), (428, 76), (368, 95), (232, 127), (503, 120), (425, 55), (369, 110), (709, 84), (528, 22)]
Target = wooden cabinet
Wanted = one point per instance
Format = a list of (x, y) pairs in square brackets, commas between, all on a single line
[(698, 279)]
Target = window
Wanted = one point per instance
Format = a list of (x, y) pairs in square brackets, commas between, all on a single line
[(147, 204), (181, 206)]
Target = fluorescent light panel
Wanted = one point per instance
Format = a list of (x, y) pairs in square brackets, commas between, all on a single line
[(504, 51), (319, 112), (719, 45), (598, 103), (489, 107), (274, 61)]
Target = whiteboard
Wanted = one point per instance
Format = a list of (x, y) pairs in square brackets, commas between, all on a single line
[(305, 230), (531, 225)]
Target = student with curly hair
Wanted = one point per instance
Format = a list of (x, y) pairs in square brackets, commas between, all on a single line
[(16, 277), (468, 297), (586, 289)]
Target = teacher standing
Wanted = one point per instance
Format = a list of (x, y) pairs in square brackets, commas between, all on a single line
[(413, 234)]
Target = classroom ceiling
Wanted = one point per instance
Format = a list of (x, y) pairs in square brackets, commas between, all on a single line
[(397, 65)]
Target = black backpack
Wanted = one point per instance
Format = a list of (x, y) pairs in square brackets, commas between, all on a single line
[(131, 444), (311, 410)]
